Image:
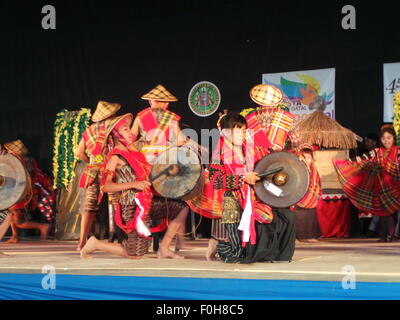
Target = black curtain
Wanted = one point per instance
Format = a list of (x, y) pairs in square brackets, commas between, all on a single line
[(119, 50)]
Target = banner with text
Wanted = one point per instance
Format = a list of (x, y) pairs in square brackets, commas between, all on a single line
[(391, 84), (304, 90)]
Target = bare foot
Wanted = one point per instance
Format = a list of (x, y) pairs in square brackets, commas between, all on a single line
[(44, 231), (81, 244), (165, 253), (297, 241), (12, 240), (312, 241), (89, 247), (212, 249)]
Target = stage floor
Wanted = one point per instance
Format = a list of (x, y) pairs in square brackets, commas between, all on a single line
[(323, 261)]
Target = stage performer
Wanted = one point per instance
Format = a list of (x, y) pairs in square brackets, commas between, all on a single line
[(92, 150), (125, 177), (307, 226), (156, 128), (372, 181), (270, 232), (229, 171), (270, 128), (39, 186)]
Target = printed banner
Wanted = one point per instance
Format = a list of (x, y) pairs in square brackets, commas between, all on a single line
[(391, 84), (306, 91)]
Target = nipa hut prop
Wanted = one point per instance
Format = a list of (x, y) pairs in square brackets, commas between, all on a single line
[(318, 129)]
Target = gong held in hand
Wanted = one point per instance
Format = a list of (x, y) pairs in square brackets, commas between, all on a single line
[(285, 179), (177, 174), (14, 181)]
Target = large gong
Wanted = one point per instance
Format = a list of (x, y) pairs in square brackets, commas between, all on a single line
[(177, 174), (288, 182), (14, 181)]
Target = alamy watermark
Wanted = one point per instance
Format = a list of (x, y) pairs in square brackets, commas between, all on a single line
[(349, 20), (349, 280), (49, 280), (49, 20)]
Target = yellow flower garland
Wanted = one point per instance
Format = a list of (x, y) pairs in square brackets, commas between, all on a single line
[(63, 164), (396, 114)]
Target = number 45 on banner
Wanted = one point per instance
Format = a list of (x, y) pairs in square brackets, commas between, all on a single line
[(393, 86)]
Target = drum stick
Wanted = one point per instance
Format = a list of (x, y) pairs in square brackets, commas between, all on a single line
[(165, 171), (269, 172)]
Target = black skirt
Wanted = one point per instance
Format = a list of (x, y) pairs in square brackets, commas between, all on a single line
[(275, 240)]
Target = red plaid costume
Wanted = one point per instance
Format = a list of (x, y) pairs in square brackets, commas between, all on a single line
[(372, 185), (314, 192), (272, 133), (94, 138), (159, 128)]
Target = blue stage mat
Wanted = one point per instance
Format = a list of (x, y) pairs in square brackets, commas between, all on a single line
[(72, 287)]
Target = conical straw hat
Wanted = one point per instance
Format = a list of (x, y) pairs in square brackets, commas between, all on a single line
[(159, 93), (112, 123), (266, 95), (16, 147), (105, 110)]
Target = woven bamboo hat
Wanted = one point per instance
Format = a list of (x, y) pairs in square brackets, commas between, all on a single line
[(105, 110), (159, 93), (266, 95), (16, 147), (112, 123)]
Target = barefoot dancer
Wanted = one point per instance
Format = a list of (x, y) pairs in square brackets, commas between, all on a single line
[(125, 178), (156, 128), (91, 149), (18, 210)]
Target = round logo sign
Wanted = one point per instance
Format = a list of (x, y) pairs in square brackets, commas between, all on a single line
[(204, 99)]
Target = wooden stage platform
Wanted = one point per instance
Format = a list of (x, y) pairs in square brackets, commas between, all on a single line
[(323, 261)]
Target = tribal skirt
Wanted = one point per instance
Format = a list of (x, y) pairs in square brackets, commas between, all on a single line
[(91, 198)]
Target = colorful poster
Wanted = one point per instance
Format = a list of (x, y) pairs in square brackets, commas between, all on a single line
[(391, 84), (306, 91)]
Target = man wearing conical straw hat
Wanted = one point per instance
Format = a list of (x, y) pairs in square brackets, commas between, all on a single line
[(30, 201), (156, 129), (92, 150)]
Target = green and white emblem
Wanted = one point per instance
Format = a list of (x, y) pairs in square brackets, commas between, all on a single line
[(204, 99)]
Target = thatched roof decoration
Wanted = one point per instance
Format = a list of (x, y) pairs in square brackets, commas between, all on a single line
[(319, 129)]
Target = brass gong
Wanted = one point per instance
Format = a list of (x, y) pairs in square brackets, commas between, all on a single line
[(285, 187), (14, 181)]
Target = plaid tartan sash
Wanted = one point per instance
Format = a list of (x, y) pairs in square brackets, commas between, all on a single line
[(94, 137), (160, 129), (281, 123), (259, 136)]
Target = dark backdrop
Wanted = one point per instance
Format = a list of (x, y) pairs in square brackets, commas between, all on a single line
[(119, 50)]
